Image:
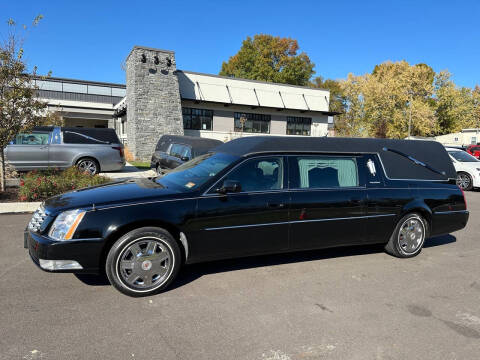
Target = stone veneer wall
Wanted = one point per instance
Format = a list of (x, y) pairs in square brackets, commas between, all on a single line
[(153, 100)]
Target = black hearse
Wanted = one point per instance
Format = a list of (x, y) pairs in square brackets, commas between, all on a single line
[(173, 150), (253, 195)]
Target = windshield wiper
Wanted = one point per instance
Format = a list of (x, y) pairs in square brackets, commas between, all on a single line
[(418, 162)]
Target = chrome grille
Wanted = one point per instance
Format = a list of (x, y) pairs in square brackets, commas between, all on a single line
[(37, 219)]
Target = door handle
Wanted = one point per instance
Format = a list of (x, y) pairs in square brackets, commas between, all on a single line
[(356, 201), (275, 206)]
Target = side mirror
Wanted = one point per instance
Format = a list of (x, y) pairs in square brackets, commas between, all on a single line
[(184, 158), (230, 186)]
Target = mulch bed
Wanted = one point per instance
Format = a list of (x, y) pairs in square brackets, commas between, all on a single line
[(9, 195)]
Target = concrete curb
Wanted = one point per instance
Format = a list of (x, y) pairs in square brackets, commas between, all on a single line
[(18, 207)]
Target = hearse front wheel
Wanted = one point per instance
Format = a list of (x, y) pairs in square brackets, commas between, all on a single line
[(143, 262), (409, 236)]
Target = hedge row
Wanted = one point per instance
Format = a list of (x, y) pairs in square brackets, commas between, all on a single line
[(40, 185)]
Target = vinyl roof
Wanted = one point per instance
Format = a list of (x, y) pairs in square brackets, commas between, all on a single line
[(396, 166)]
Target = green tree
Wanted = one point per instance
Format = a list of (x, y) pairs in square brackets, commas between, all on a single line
[(457, 108), (396, 96), (270, 58), (20, 110), (337, 96)]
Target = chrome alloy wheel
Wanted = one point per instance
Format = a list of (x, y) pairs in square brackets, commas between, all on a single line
[(411, 235), (145, 264), (88, 166), (463, 180)]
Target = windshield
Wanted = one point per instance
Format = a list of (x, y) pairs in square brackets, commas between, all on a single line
[(196, 172), (462, 156)]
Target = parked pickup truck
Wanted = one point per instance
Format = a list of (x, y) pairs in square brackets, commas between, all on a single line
[(91, 149)]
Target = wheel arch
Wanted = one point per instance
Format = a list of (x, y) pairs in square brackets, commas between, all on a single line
[(421, 208), (124, 229), (87, 156), (467, 171)]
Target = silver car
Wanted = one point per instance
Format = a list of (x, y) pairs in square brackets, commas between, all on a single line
[(90, 149)]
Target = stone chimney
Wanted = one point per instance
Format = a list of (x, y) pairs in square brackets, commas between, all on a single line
[(153, 99)]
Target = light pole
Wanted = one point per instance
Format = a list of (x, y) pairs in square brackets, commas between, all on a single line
[(410, 118)]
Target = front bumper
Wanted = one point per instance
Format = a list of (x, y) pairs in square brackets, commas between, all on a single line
[(65, 255)]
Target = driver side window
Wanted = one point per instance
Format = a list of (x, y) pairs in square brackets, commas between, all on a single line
[(261, 174)]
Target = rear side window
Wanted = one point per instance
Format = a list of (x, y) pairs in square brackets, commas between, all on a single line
[(311, 172), (90, 136), (163, 144), (32, 139), (180, 151)]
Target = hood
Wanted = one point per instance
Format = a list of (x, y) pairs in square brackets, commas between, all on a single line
[(114, 193)]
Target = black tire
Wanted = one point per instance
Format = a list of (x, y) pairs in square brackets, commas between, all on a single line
[(464, 181), (89, 165), (135, 281), (403, 246)]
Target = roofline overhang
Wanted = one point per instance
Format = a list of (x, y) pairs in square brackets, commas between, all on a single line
[(249, 80), (197, 101)]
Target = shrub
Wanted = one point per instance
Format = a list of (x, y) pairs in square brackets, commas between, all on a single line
[(40, 185)]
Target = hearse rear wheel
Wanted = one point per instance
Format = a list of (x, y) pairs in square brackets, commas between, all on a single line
[(88, 165), (143, 262), (409, 236), (464, 180)]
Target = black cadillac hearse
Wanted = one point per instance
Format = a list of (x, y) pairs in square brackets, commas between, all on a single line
[(253, 195)]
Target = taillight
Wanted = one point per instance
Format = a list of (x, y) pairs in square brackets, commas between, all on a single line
[(464, 200), (120, 150)]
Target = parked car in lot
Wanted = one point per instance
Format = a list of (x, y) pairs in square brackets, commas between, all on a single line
[(173, 150), (92, 150), (253, 195), (474, 150), (467, 168)]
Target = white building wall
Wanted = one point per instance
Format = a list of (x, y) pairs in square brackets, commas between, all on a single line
[(462, 138), (223, 121)]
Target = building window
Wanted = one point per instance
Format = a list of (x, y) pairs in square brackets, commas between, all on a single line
[(197, 119), (299, 125), (473, 140), (252, 123), (456, 139)]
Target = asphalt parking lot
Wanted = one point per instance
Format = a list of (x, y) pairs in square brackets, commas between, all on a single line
[(351, 303)]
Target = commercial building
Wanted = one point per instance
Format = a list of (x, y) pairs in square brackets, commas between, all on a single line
[(80, 103), (160, 99), (462, 138)]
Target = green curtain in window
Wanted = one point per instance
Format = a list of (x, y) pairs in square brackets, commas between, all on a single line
[(347, 170)]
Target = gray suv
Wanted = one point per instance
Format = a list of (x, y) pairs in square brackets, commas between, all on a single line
[(92, 150)]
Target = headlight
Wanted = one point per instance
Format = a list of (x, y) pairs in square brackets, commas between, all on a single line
[(65, 224)]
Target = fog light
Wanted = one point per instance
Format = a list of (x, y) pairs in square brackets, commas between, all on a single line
[(59, 264)]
